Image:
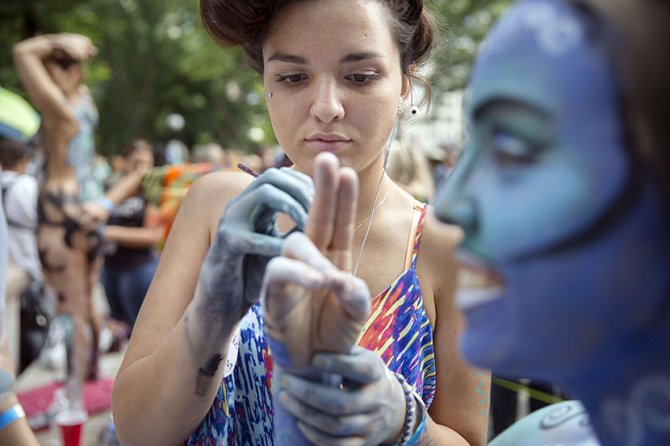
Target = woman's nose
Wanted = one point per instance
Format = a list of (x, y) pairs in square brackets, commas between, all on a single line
[(453, 204), (327, 103), (457, 209)]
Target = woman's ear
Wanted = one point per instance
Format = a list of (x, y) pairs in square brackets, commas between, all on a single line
[(406, 88)]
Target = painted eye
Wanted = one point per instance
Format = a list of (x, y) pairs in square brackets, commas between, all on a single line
[(292, 79), (509, 149)]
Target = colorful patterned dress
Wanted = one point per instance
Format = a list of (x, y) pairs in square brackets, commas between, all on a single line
[(398, 330)]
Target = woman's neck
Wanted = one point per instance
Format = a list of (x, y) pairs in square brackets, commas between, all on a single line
[(628, 397), (373, 185)]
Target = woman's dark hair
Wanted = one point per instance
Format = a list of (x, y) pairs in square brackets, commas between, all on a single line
[(136, 146), (246, 23), (12, 152), (636, 35)]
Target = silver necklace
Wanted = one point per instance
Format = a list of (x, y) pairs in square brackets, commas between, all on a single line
[(358, 226), (369, 219)]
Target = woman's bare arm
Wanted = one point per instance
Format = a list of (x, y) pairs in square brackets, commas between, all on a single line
[(172, 368), (154, 400), (46, 96), (462, 395)]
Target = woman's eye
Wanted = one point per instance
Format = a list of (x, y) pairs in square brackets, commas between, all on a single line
[(292, 79), (362, 78), (511, 149)]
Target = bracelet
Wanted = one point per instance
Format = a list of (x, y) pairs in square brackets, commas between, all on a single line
[(414, 439), (11, 415), (106, 203), (410, 413)]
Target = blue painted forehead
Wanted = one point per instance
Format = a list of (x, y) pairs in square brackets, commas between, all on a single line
[(550, 26), (546, 51)]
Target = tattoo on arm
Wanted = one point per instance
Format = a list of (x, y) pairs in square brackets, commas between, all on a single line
[(206, 374), (482, 395)]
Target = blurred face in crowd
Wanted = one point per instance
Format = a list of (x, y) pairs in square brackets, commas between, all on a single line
[(333, 91), (540, 192), (141, 159)]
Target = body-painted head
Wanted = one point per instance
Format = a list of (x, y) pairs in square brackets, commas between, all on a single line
[(564, 229)]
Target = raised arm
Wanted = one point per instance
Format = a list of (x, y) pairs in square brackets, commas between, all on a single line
[(172, 369), (29, 58)]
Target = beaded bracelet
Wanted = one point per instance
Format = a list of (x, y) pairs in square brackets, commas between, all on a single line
[(410, 414), (414, 439), (11, 415)]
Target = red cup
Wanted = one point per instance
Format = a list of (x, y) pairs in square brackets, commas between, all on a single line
[(70, 422)]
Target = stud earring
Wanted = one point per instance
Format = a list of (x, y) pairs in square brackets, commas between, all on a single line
[(413, 109), (268, 94)]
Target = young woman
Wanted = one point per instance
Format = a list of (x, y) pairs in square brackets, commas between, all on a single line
[(563, 194), (337, 75), (68, 239)]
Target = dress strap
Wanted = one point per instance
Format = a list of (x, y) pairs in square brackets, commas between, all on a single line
[(418, 214)]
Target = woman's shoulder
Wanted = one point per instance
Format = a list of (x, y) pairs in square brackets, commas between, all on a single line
[(210, 194), (438, 237), (217, 187), (437, 253)]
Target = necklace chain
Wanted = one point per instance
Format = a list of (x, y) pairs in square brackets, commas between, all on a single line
[(375, 208)]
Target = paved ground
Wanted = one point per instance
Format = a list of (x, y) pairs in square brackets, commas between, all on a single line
[(36, 375)]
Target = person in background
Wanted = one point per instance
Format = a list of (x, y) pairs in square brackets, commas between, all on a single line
[(18, 123), (211, 153), (71, 206), (132, 233), (409, 168), (563, 193)]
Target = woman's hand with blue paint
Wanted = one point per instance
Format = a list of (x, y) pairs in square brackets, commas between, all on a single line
[(311, 302), (369, 409), (248, 237)]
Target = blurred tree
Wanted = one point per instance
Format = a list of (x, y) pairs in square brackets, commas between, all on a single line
[(155, 59), (463, 25)]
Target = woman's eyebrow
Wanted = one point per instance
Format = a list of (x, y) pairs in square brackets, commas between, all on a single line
[(363, 55), (290, 58), (349, 58)]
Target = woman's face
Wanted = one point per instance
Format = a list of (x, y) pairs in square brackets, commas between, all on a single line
[(544, 166), (334, 73), (139, 160)]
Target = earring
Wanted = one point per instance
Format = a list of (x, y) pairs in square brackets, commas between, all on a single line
[(401, 106), (413, 109), (268, 94)]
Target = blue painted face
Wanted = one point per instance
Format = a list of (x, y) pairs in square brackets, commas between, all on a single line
[(543, 280)]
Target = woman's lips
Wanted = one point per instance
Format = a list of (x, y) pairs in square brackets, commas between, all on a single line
[(477, 284), (327, 145)]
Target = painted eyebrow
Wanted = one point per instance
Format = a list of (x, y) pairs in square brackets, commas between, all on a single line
[(493, 104), (349, 58)]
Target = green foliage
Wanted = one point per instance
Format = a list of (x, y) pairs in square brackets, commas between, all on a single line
[(463, 25), (156, 59)]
